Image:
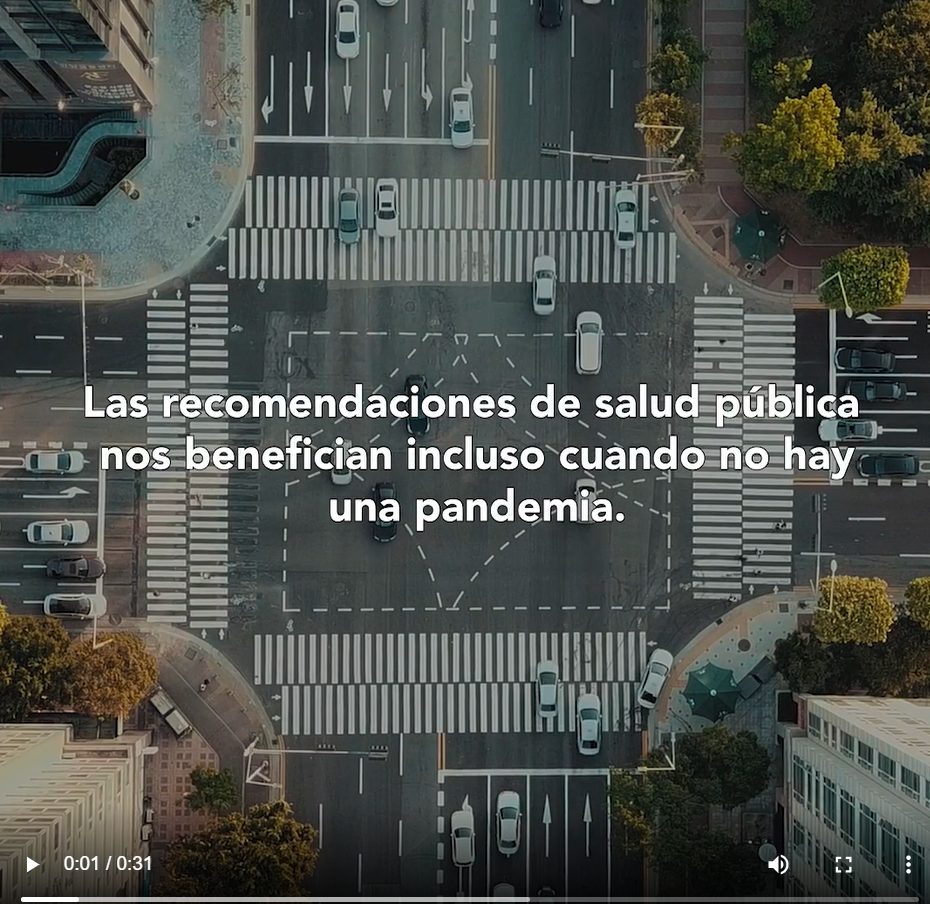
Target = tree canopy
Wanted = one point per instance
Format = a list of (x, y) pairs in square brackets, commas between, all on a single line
[(917, 601), (812, 667), (873, 278), (664, 108), (35, 671), (213, 790), (853, 610), (114, 678), (4, 618), (265, 853)]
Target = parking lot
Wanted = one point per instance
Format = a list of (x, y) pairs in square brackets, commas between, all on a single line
[(903, 425), (105, 503)]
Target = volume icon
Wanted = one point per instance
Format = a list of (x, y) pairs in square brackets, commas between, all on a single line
[(779, 864)]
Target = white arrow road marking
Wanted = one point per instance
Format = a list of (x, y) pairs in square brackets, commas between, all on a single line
[(425, 92), (469, 7), (466, 805), (347, 89), (69, 493), (268, 105), (308, 88), (386, 93), (587, 825), (547, 821), (869, 318)]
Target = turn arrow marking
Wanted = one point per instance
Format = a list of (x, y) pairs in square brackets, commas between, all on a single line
[(69, 493), (425, 92), (587, 825), (268, 105)]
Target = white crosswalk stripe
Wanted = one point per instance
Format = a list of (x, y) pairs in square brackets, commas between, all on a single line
[(451, 230), (346, 684), (186, 523), (736, 543)]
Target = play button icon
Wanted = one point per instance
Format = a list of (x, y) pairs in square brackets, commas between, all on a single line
[(30, 864)]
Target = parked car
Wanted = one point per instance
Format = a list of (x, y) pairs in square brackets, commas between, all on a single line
[(348, 33), (58, 533), (462, 824), (625, 208), (342, 477), (588, 724), (384, 531), (82, 568), (876, 390), (842, 430), (508, 822), (503, 890), (75, 605), (589, 335), (348, 208), (417, 426), (547, 689), (387, 224), (864, 360), (888, 464), (461, 118), (654, 678), (55, 461), (585, 488), (544, 283)]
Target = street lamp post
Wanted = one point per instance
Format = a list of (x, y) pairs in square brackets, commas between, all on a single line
[(833, 567), (839, 276), (678, 130), (84, 342)]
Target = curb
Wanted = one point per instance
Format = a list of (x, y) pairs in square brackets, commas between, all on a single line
[(217, 233)]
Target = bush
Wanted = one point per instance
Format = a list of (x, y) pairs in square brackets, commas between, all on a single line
[(873, 277), (761, 35), (672, 18), (853, 610), (676, 67), (917, 601), (791, 13), (661, 108), (214, 9)]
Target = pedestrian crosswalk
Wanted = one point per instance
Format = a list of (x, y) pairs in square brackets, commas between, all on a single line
[(742, 520), (451, 230), (347, 684)]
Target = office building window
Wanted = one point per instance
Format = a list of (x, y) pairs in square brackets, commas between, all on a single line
[(847, 885), (866, 756), (829, 803), (797, 837), (866, 890), (927, 792), (847, 817), (818, 855), (910, 783), (891, 851), (847, 745), (829, 867), (809, 795), (798, 778), (887, 769), (831, 731), (813, 725), (817, 792), (914, 875), (868, 833)]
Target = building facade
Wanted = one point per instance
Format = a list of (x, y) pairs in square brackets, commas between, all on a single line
[(64, 798), (856, 797), (76, 54)]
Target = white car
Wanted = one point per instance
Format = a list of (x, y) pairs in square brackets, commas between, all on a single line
[(840, 430), (585, 488), (348, 33), (463, 837), (387, 2), (544, 283), (342, 478), (654, 678), (386, 222), (508, 822), (75, 605), (625, 218), (504, 890), (461, 118), (55, 461), (588, 724), (589, 337), (58, 533), (547, 689)]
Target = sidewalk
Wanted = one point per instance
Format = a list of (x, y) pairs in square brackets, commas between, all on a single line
[(226, 717), (199, 153), (706, 213)]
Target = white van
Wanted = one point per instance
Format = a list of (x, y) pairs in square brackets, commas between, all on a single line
[(589, 335)]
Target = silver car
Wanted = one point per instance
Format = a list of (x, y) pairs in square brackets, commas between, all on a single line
[(55, 461), (508, 822), (544, 283), (625, 218), (547, 689), (348, 213), (75, 605), (342, 478), (461, 118), (842, 430), (463, 837), (589, 335), (588, 724), (585, 488), (58, 533), (657, 671), (386, 222), (348, 33)]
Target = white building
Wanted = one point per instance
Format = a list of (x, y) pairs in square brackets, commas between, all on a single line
[(64, 798), (857, 797)]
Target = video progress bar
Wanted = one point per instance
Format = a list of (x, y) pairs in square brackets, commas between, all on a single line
[(812, 899)]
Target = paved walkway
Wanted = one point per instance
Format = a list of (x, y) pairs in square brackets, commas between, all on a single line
[(706, 213), (191, 184)]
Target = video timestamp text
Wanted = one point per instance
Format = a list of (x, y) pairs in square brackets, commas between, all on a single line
[(95, 863)]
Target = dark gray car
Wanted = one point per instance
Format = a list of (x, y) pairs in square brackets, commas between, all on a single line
[(888, 464), (84, 568), (349, 214), (876, 390), (865, 359)]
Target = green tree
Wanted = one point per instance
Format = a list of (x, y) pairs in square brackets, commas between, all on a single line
[(35, 672), (790, 74), (214, 790), (215, 9), (798, 151), (896, 61), (4, 618), (676, 67), (719, 868), (917, 601), (722, 768), (113, 678), (899, 667), (265, 853), (812, 667), (663, 108), (853, 610), (873, 277), (793, 14)]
